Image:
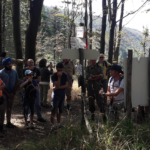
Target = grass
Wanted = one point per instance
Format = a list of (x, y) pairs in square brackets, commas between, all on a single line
[(125, 135)]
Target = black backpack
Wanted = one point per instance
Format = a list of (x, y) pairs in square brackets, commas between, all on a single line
[(30, 91)]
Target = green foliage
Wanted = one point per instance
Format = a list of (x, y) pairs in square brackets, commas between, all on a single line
[(125, 135)]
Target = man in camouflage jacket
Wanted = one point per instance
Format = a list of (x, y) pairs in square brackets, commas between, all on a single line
[(94, 75)]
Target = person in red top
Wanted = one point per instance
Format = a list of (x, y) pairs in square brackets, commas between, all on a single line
[(2, 108)]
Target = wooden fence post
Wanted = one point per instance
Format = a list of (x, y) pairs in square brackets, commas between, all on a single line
[(129, 82)]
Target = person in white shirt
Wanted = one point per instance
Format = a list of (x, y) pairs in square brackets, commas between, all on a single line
[(115, 91)]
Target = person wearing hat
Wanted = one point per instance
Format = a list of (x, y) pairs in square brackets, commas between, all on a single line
[(36, 76), (14, 61), (29, 100), (115, 91), (10, 78)]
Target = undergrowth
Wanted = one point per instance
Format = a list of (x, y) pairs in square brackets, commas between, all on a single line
[(123, 136)]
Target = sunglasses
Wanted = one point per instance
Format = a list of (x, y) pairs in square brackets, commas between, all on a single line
[(101, 57)]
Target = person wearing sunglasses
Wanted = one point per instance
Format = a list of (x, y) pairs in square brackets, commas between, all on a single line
[(31, 87), (105, 65)]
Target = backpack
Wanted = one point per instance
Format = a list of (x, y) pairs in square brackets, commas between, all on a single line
[(30, 91), (119, 80)]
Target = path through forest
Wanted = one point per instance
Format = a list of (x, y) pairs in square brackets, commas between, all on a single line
[(14, 137)]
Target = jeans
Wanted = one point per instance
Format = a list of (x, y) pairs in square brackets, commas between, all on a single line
[(37, 105)]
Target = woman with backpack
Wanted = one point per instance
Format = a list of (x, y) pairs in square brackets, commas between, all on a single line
[(31, 87), (44, 84)]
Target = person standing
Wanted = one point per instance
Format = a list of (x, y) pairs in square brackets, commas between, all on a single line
[(44, 84), (60, 81), (115, 92), (37, 77), (69, 68), (10, 78), (94, 75), (31, 87), (104, 64)]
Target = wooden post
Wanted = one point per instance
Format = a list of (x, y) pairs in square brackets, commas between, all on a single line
[(149, 81), (129, 82), (83, 84)]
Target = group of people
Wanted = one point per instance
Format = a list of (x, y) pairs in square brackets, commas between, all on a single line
[(36, 83), (99, 88)]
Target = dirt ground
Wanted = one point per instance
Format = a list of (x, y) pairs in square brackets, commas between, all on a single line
[(14, 137)]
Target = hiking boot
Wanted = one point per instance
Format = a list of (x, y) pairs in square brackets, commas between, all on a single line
[(41, 120), (92, 117), (10, 125), (26, 126), (31, 125)]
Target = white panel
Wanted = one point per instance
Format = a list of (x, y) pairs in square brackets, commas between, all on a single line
[(139, 86), (74, 54)]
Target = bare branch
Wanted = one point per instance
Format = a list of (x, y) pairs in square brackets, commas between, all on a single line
[(134, 11)]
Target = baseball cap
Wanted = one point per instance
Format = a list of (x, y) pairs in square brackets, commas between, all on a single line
[(27, 72), (3, 54)]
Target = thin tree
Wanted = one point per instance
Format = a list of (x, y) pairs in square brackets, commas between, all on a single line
[(112, 30), (31, 33), (116, 52), (91, 23), (104, 24)]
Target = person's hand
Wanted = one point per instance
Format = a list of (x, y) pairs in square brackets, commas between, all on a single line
[(92, 76), (54, 88), (31, 68), (29, 79), (101, 92), (11, 96), (59, 74)]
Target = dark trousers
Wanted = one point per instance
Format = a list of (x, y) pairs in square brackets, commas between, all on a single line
[(93, 93), (105, 86)]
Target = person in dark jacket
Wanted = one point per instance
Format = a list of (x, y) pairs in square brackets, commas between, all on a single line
[(44, 84)]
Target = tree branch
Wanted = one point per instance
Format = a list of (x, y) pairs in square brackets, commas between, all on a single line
[(134, 11)]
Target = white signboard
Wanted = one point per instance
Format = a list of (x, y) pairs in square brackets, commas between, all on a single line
[(79, 68), (78, 42), (74, 54), (139, 82), (79, 32)]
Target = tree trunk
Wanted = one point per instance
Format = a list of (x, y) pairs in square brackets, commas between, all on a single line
[(112, 31), (85, 18), (91, 23), (3, 41), (31, 33), (102, 48), (116, 53), (17, 34), (1, 32)]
